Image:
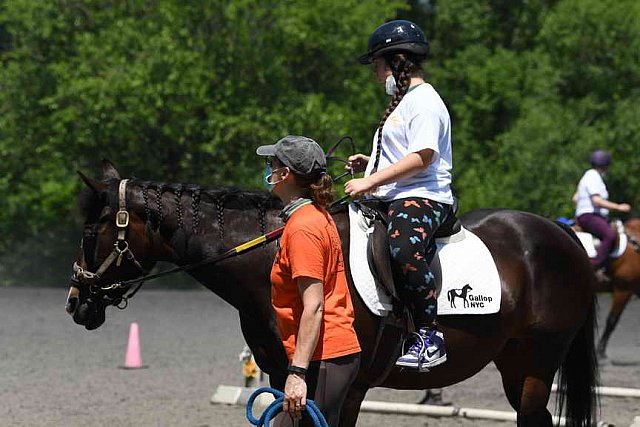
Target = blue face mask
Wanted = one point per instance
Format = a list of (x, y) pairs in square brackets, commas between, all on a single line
[(266, 178), (266, 175)]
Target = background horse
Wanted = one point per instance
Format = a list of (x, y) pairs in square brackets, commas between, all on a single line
[(545, 324), (625, 275)]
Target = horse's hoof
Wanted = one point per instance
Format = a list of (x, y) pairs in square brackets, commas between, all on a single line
[(433, 399)]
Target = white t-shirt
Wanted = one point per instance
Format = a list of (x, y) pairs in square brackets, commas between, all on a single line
[(420, 121), (591, 184)]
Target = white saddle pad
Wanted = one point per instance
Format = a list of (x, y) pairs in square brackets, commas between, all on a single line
[(590, 243), (466, 274)]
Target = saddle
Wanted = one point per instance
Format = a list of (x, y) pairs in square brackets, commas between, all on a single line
[(378, 244), (592, 242)]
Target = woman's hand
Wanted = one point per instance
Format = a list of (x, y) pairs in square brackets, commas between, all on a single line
[(359, 186), (624, 207), (295, 396), (358, 163)]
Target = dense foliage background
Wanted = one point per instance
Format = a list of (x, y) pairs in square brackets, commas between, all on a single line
[(185, 90)]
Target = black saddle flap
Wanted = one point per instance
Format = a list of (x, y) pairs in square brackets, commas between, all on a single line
[(451, 224), (378, 257)]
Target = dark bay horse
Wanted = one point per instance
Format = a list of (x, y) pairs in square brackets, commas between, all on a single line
[(545, 324), (625, 275)]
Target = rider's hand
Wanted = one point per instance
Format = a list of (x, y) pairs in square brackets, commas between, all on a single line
[(357, 162), (359, 186), (624, 207), (295, 396)]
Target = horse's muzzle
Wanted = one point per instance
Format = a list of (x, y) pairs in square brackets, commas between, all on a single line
[(85, 313)]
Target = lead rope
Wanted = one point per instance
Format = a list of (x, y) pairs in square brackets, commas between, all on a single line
[(276, 406)]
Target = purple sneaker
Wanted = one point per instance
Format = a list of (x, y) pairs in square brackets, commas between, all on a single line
[(427, 351)]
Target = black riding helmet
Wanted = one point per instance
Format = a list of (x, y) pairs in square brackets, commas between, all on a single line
[(395, 36)]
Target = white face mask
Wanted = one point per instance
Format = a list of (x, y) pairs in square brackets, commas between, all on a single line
[(390, 85)]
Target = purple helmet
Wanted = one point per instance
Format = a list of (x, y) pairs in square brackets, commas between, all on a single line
[(600, 158)]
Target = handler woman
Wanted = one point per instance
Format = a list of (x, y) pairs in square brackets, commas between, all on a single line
[(309, 292)]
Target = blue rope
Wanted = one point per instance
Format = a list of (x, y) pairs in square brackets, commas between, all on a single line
[(276, 406)]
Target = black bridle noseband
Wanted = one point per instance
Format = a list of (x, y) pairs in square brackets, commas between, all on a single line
[(121, 250)]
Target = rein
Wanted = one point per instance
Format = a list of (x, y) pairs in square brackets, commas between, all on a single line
[(121, 249)]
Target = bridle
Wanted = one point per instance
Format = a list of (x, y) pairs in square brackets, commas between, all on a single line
[(120, 251)]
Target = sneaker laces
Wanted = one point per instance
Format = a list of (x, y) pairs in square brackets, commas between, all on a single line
[(423, 340)]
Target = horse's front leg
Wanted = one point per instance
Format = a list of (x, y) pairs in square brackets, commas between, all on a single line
[(620, 298), (351, 406)]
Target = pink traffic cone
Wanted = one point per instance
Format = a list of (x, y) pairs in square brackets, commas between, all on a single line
[(133, 359)]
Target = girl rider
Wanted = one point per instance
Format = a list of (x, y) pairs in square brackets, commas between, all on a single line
[(409, 167)]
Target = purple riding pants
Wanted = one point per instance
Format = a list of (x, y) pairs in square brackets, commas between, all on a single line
[(598, 226)]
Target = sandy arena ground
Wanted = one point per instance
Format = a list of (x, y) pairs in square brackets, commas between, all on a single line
[(55, 373)]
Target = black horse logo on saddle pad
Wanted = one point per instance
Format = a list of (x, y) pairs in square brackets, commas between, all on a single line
[(459, 293)]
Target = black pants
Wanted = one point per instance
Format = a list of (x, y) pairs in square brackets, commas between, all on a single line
[(328, 382)]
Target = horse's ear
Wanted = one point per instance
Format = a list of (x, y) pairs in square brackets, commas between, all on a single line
[(97, 186), (109, 171)]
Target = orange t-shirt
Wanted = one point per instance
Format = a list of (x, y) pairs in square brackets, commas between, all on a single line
[(310, 247)]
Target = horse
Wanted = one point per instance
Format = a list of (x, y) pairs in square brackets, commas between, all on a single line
[(545, 323), (459, 293), (625, 282)]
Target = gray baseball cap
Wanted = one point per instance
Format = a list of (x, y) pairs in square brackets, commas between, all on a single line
[(301, 154)]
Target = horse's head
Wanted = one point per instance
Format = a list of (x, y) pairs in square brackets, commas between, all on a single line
[(114, 248)]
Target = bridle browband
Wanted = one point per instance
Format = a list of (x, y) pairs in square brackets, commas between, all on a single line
[(120, 250)]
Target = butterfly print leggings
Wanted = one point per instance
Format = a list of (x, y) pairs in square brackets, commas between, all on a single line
[(412, 224)]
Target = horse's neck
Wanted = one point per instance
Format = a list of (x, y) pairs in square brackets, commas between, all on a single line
[(186, 230)]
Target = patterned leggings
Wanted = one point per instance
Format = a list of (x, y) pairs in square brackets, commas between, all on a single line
[(412, 223)]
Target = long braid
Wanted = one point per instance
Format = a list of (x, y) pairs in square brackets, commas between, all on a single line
[(179, 208), (195, 208), (159, 191), (402, 74), (145, 198)]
